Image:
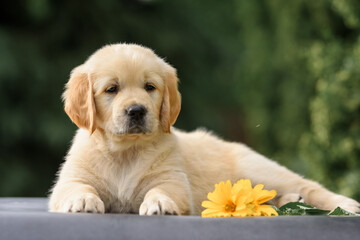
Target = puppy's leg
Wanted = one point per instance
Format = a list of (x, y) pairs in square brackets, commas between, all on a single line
[(318, 196), (171, 198), (75, 197), (262, 170), (158, 202)]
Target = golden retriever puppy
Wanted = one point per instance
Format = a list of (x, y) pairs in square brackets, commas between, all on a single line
[(127, 158)]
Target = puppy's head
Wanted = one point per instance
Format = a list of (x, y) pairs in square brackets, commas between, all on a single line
[(123, 89)]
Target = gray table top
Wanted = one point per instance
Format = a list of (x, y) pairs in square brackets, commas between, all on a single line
[(27, 218)]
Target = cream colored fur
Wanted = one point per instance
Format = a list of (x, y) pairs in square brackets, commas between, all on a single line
[(163, 170)]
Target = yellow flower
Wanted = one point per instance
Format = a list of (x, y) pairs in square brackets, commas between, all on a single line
[(239, 200), (261, 196)]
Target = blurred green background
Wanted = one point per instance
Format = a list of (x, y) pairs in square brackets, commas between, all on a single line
[(282, 76)]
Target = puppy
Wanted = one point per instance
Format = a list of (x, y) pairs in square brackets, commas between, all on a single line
[(126, 157)]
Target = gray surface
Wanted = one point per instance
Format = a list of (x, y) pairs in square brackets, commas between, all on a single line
[(27, 218)]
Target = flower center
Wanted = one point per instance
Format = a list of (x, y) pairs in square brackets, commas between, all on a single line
[(230, 207)]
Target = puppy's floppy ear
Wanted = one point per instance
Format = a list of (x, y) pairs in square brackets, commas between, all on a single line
[(79, 100), (171, 103)]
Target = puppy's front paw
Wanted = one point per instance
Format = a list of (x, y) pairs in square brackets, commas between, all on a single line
[(88, 202), (345, 203), (158, 205)]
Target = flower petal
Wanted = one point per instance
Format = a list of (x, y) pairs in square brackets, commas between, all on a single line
[(212, 205), (242, 191), (258, 187), (266, 210), (243, 212), (217, 196), (209, 212), (265, 196), (226, 189), (213, 213)]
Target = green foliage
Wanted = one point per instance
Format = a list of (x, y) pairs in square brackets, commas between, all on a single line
[(281, 76), (301, 209), (341, 212), (298, 208)]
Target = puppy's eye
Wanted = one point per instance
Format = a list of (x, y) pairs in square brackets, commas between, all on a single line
[(149, 87), (113, 89)]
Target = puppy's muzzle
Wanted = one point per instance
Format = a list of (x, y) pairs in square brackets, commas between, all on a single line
[(136, 117)]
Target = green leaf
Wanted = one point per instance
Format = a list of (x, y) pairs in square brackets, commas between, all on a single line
[(317, 211), (341, 212), (298, 208), (277, 210)]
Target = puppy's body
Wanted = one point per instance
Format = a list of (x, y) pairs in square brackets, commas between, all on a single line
[(132, 162)]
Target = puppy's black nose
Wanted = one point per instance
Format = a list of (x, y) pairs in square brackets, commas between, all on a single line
[(136, 111)]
